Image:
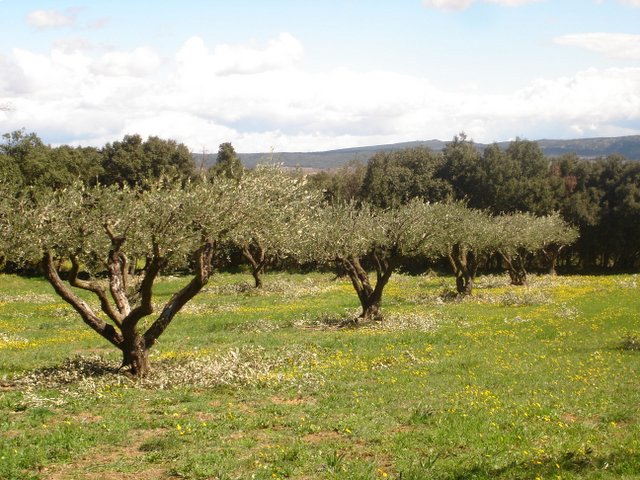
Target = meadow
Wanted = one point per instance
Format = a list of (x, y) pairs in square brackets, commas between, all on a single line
[(536, 382)]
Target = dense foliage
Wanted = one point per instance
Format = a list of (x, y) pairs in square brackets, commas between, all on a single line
[(601, 197), (228, 163), (26, 161)]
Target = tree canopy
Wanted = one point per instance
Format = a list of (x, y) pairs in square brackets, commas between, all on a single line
[(108, 230), (277, 205), (355, 236), (134, 161), (27, 162), (394, 178)]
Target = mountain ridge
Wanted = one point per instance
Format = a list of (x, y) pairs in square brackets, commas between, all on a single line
[(587, 148)]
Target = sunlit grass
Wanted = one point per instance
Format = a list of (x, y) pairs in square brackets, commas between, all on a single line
[(511, 383)]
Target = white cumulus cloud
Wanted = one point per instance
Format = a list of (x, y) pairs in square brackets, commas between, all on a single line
[(615, 45), (203, 97), (140, 62), (282, 52)]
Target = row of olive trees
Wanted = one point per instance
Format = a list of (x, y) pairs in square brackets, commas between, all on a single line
[(117, 241), (347, 234)]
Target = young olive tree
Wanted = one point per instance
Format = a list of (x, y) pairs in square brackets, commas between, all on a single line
[(348, 234), (465, 235), (276, 206), (102, 231)]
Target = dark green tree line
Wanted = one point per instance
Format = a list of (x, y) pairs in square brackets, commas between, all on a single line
[(27, 161)]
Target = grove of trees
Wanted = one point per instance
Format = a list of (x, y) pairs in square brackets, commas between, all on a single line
[(110, 221), (600, 197)]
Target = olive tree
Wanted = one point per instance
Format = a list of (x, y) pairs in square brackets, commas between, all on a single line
[(465, 236), (556, 234), (520, 235), (274, 212), (102, 231), (350, 235), (516, 241)]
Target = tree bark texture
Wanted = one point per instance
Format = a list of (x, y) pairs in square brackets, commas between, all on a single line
[(256, 257), (465, 267), (551, 253), (370, 296), (135, 354), (516, 269)]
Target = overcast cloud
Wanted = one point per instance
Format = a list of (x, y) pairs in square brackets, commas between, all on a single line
[(263, 94)]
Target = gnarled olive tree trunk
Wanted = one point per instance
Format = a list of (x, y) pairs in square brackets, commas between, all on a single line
[(370, 296), (123, 314), (465, 266), (256, 257), (550, 254), (516, 268)]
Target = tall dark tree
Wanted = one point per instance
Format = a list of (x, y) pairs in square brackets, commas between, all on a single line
[(27, 154), (393, 178), (620, 223), (516, 179), (461, 168), (228, 162), (168, 157), (70, 164), (534, 189), (601, 199)]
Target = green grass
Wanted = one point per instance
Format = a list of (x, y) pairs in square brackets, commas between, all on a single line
[(538, 382)]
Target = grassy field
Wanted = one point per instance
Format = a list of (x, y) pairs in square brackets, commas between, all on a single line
[(537, 382)]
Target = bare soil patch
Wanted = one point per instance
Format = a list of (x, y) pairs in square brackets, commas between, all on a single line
[(94, 465)]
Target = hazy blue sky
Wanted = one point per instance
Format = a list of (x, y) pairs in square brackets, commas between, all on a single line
[(302, 75)]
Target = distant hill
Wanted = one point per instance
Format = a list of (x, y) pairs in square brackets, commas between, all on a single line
[(594, 147), (628, 146)]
